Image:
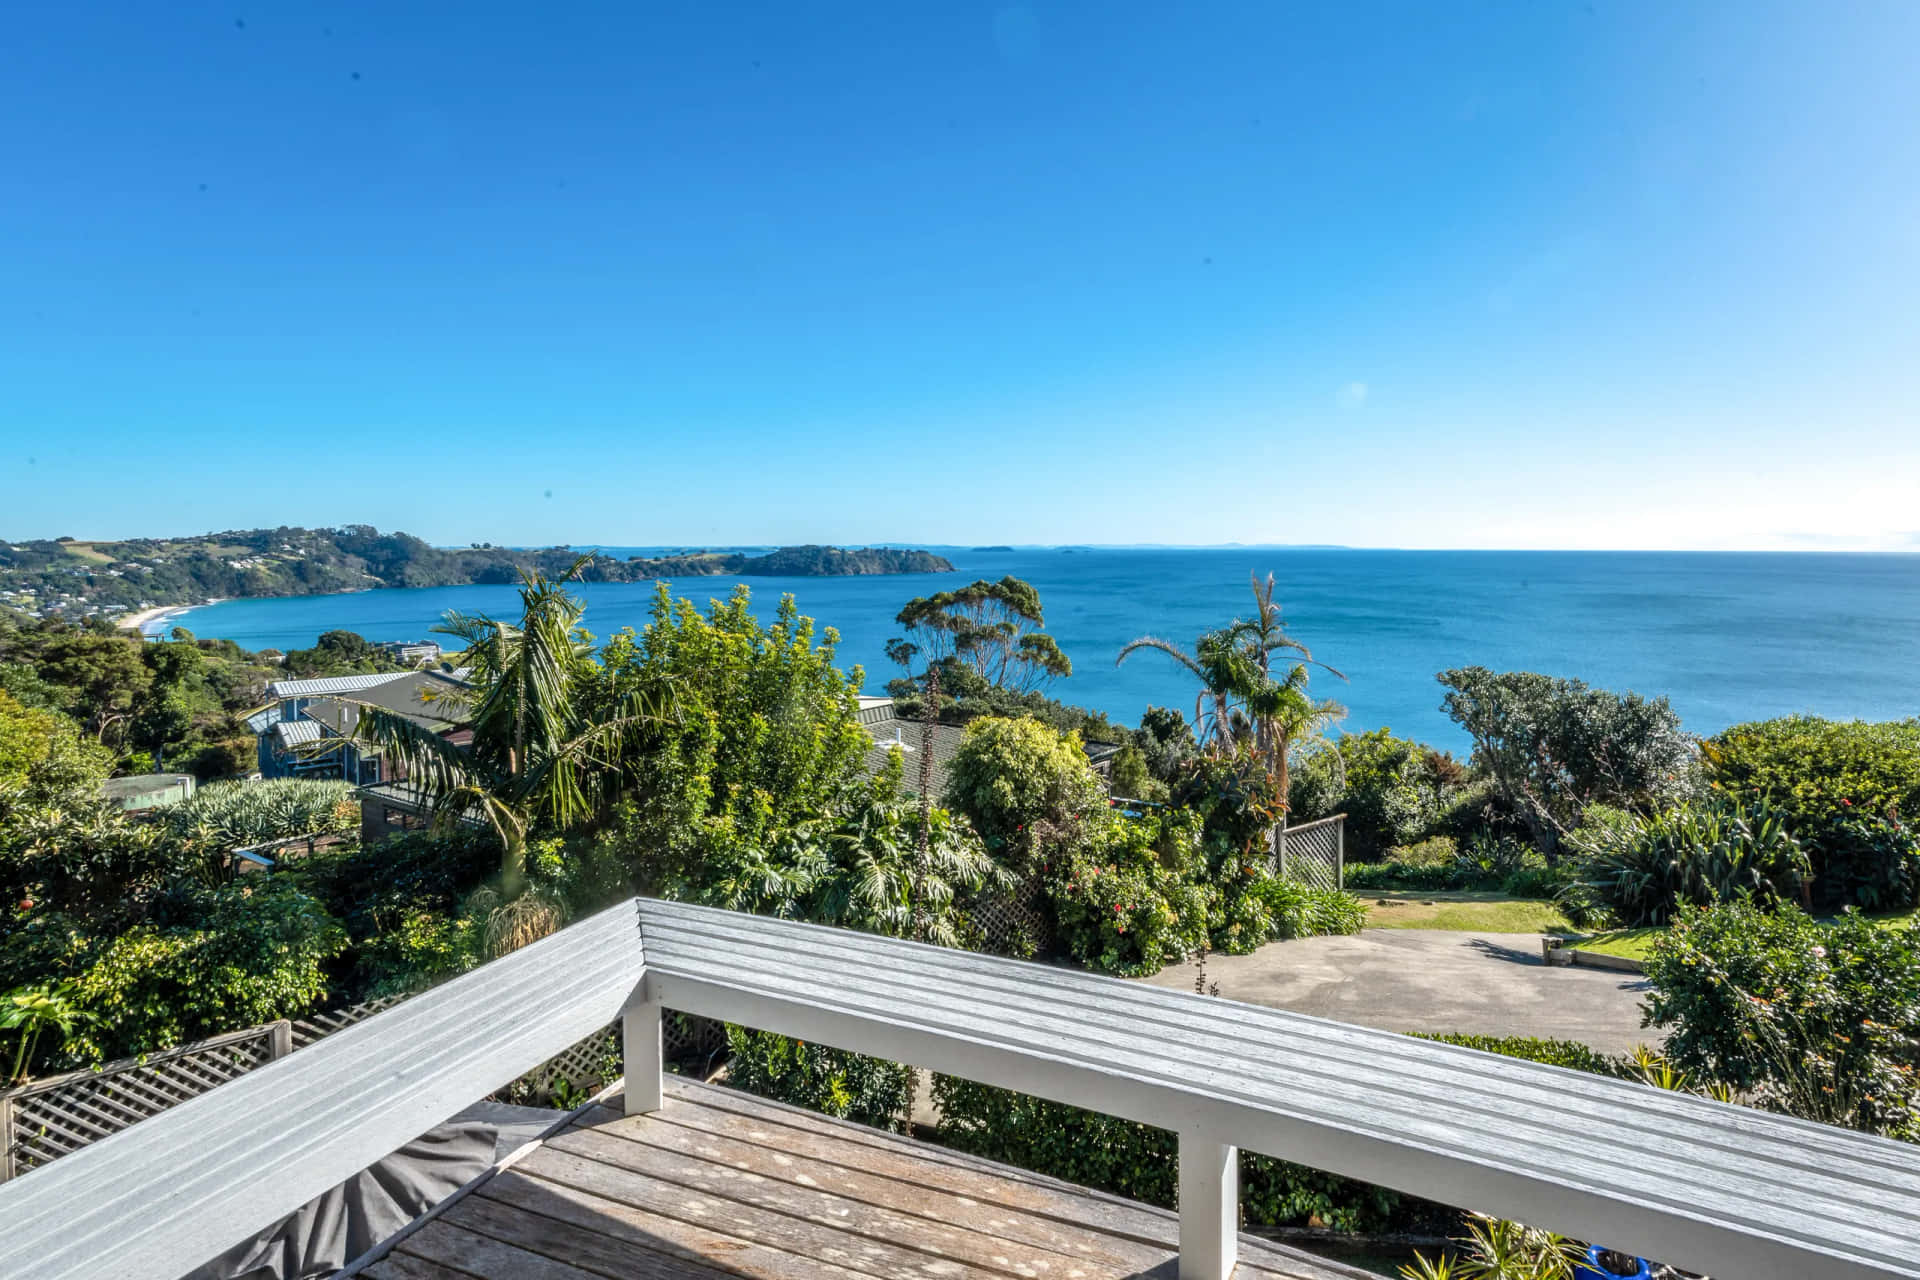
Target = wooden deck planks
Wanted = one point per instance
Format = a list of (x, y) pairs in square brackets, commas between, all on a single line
[(720, 1184)]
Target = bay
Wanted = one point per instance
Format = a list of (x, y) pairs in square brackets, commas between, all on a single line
[(1728, 636)]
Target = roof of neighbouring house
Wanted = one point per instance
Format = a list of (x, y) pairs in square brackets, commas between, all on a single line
[(890, 734), (331, 684), (434, 700), (291, 733)]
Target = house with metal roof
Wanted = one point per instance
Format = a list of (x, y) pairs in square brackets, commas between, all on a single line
[(892, 734), (307, 730)]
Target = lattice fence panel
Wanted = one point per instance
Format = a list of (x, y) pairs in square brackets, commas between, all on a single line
[(1313, 853), (1015, 924), (55, 1117), (320, 1025)]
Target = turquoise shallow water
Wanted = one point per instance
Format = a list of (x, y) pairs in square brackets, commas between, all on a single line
[(1728, 637)]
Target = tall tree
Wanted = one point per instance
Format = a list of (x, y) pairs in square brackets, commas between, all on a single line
[(1253, 677), (537, 753), (997, 628)]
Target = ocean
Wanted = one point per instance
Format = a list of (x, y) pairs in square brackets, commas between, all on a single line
[(1727, 636)]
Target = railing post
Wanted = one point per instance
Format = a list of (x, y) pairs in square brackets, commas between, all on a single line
[(280, 1043), (6, 1139), (1209, 1208), (642, 1052), (1340, 853)]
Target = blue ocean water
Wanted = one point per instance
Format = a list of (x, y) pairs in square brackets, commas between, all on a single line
[(1727, 636)]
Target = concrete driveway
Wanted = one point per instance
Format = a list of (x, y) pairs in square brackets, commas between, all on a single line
[(1434, 980)]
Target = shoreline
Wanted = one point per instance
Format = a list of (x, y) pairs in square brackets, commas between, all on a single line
[(154, 622)]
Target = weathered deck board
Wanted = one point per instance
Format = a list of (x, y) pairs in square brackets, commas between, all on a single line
[(721, 1184)]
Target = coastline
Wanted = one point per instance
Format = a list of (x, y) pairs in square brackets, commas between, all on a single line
[(157, 620)]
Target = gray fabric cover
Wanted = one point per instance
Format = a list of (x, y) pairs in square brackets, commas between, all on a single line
[(325, 1234)]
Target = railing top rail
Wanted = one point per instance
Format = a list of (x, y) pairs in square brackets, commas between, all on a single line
[(1740, 1193), (163, 1196), (1718, 1188)]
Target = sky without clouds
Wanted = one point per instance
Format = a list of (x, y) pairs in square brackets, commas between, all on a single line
[(1531, 274)]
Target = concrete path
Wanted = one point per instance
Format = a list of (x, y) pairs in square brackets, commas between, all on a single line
[(1434, 980)]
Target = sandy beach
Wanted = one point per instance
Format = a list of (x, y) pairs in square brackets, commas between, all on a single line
[(155, 621)]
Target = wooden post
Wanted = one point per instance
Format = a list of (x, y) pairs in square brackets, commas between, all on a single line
[(1340, 853), (6, 1139), (643, 1053), (1209, 1208), (280, 1042)]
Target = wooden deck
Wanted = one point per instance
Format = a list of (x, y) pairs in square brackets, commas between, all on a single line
[(719, 1183)]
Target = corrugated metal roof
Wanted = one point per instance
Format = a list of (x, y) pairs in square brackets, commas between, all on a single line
[(331, 684), (295, 732)]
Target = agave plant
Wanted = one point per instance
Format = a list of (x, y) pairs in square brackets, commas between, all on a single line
[(238, 815)]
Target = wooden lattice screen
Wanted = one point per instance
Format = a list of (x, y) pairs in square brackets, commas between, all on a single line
[(1313, 853), (50, 1118)]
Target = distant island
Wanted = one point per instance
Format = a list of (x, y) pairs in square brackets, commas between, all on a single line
[(79, 578)]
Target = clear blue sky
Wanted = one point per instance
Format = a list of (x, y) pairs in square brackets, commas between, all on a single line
[(1584, 274)]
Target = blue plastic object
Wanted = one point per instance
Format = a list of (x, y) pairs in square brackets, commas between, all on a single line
[(1592, 1270)]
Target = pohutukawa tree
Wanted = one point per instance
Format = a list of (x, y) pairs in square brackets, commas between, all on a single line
[(996, 628)]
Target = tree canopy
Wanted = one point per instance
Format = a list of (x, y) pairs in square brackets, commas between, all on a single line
[(996, 628)]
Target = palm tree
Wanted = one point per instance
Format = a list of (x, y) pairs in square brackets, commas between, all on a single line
[(537, 754), (1285, 715), (1210, 664), (1239, 692)]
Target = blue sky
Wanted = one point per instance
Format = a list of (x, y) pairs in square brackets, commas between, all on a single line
[(1519, 275)]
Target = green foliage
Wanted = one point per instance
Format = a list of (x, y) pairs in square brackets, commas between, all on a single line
[(1394, 791), (29, 1013), (1845, 787), (880, 880), (1495, 1249), (1553, 746), (207, 961), (1139, 1161), (43, 742), (1554, 1053), (225, 816), (1642, 870), (404, 905), (1237, 796), (966, 695), (1132, 899), (1815, 1021), (869, 1091), (995, 628), (724, 800), (1023, 786), (1253, 906)]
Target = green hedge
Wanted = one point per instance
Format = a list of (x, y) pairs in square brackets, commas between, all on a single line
[(833, 1082), (1141, 1162)]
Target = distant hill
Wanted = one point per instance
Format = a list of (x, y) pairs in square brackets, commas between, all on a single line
[(74, 577)]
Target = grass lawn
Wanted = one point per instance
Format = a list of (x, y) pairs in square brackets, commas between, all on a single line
[(1460, 910), (1635, 944), (1632, 944)]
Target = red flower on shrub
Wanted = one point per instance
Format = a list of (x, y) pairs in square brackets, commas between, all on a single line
[(1847, 803)]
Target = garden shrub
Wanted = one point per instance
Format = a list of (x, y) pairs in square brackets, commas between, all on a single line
[(1813, 1020), (1553, 746), (851, 1086), (1554, 1053), (208, 961), (1823, 776), (1395, 791), (1642, 870), (1011, 777), (1254, 906), (1142, 1162), (1133, 899)]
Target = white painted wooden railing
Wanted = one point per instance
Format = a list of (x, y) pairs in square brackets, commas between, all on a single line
[(1733, 1192)]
